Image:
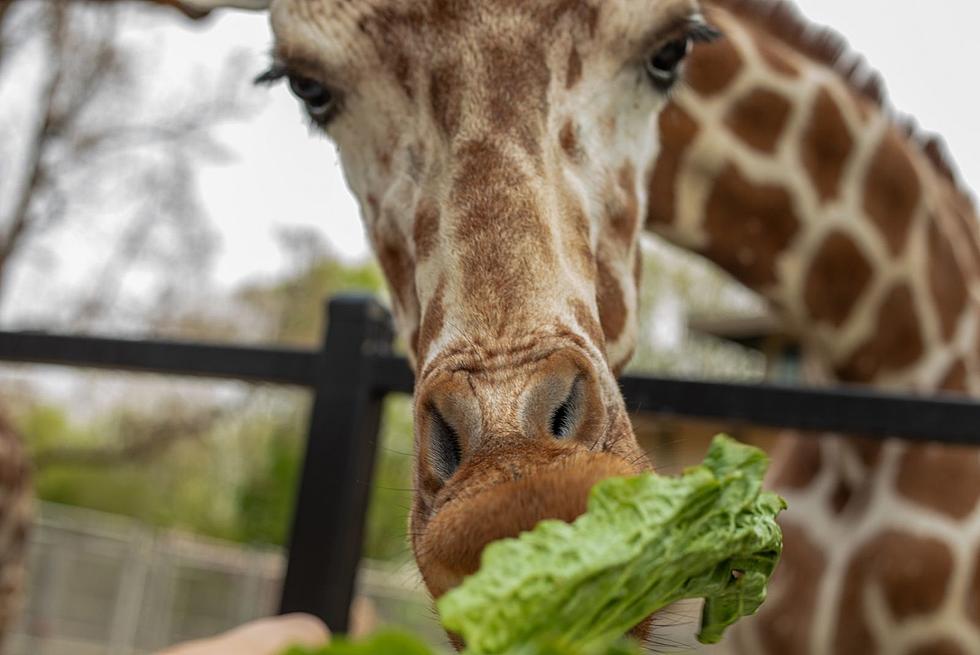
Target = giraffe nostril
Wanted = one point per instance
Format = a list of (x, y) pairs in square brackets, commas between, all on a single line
[(568, 415), (445, 450)]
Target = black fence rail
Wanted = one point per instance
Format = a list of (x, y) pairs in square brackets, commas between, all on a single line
[(355, 369)]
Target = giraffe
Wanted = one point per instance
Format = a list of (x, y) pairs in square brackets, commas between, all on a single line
[(16, 513), (781, 162), (497, 150), (502, 157)]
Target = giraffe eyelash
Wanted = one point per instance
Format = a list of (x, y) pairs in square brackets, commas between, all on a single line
[(701, 32), (277, 71)]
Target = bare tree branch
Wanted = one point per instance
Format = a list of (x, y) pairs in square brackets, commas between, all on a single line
[(4, 6), (99, 148), (21, 216)]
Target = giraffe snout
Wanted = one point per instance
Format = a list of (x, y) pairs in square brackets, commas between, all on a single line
[(503, 447), (466, 412)]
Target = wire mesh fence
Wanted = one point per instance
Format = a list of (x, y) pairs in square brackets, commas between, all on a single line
[(105, 585)]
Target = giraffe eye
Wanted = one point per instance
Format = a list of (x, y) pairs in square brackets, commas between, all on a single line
[(320, 101), (664, 65)]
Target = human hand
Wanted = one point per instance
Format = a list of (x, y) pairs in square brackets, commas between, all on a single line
[(268, 636)]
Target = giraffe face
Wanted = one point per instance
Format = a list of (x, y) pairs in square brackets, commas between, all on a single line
[(496, 150)]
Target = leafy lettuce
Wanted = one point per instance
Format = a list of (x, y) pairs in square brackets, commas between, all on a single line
[(399, 643), (644, 543)]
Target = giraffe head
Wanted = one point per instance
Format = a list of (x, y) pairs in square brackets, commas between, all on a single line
[(496, 149)]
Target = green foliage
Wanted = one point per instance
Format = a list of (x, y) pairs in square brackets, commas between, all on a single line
[(295, 305), (236, 480), (383, 643), (177, 489), (236, 476), (391, 496), (266, 498), (399, 643)]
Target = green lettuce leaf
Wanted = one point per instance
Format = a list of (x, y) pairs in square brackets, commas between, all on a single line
[(383, 643), (644, 543), (399, 643)]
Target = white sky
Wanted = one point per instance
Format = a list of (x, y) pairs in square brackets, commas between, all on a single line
[(283, 176)]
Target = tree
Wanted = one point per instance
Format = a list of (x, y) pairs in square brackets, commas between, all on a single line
[(84, 139)]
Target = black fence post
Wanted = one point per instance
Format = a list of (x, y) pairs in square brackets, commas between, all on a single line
[(328, 524)]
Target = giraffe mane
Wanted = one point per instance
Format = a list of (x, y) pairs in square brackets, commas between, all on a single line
[(783, 20)]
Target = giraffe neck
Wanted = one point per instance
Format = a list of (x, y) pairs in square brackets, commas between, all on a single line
[(781, 169)]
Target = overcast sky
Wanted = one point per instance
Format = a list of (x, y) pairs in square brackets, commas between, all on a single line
[(283, 176)]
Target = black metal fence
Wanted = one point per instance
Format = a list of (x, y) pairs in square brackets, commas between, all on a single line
[(355, 369)]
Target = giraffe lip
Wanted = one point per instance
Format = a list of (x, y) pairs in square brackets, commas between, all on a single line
[(453, 541)]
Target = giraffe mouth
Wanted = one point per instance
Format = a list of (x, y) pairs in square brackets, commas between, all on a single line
[(512, 498), (502, 502)]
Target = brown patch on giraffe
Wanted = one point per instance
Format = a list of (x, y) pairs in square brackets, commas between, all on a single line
[(892, 191), (413, 342), (827, 144), (836, 280), (582, 246), (955, 378), (493, 204), (569, 141), (913, 574), (520, 77), (800, 466), (976, 338), (711, 67), (677, 132), (759, 119), (946, 281), (841, 496), (586, 321), (433, 319), (976, 345), (425, 229), (786, 621), (966, 223), (401, 67), (399, 271), (943, 478), (941, 647), (625, 219), (612, 305), (891, 349), (573, 71), (867, 449), (586, 13), (445, 98), (748, 225)]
